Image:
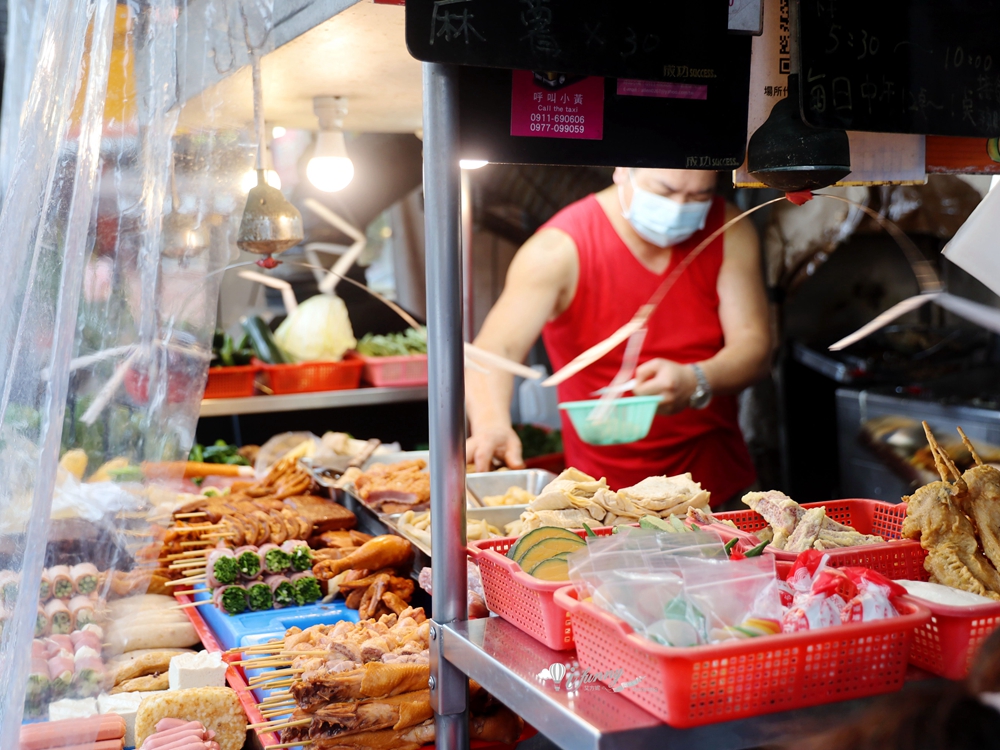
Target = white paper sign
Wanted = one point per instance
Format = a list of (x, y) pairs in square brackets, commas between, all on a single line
[(875, 157), (974, 246)]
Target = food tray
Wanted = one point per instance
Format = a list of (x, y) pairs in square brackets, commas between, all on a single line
[(255, 695), (498, 516), (898, 559), (232, 630), (308, 377), (489, 483), (230, 382), (950, 640), (520, 599), (687, 687), (398, 372)]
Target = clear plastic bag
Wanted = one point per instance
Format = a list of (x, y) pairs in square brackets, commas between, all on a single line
[(636, 575), (121, 211), (732, 598)]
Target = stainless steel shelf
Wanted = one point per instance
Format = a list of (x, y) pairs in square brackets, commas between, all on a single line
[(222, 407), (507, 663)]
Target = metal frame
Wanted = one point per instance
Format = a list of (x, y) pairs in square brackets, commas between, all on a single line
[(224, 407), (446, 393)]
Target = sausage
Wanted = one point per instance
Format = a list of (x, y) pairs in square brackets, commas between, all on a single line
[(168, 723), (173, 739), (100, 745), (53, 734)]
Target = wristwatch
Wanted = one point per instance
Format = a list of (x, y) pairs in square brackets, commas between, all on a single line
[(702, 395)]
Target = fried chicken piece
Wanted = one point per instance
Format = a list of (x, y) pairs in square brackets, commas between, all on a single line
[(388, 551), (982, 503), (395, 712), (807, 530), (933, 516)]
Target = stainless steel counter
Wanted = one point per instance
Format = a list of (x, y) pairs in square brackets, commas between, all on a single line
[(508, 663)]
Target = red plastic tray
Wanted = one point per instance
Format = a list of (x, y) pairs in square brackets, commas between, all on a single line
[(687, 687), (237, 681), (309, 377), (230, 382), (520, 599), (898, 559), (386, 372)]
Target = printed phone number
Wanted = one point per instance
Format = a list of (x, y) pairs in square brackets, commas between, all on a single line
[(546, 127), (568, 119)]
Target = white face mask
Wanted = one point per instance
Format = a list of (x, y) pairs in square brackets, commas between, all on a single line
[(663, 221)]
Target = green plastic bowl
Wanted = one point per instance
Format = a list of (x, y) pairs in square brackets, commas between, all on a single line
[(628, 419)]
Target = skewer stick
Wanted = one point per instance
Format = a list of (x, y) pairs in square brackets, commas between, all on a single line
[(192, 604), (273, 675), (190, 515), (186, 555), (184, 582), (189, 563), (275, 726), (196, 543), (281, 708), (288, 682), (283, 711), (968, 446)]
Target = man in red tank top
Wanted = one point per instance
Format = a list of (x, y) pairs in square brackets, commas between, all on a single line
[(584, 274)]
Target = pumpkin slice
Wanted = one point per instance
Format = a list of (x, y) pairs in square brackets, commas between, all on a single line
[(535, 536), (548, 548), (554, 569)]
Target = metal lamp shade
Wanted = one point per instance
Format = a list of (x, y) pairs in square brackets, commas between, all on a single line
[(787, 154)]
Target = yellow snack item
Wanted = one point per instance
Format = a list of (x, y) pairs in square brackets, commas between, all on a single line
[(103, 474), (217, 708), (75, 462)]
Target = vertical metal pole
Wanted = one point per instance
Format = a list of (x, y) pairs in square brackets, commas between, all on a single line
[(446, 394), (467, 298)]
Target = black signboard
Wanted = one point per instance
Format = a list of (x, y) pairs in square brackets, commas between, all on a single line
[(665, 124), (584, 37), (902, 66)]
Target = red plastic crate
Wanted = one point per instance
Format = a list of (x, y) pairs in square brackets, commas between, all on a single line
[(687, 687), (398, 372), (309, 377), (520, 599), (898, 559), (231, 382)]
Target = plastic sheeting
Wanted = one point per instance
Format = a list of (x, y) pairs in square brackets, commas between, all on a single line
[(116, 223)]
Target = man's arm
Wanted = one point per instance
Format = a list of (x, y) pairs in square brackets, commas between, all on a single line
[(540, 285), (745, 355)]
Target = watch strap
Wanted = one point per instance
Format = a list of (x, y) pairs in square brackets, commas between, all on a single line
[(702, 395)]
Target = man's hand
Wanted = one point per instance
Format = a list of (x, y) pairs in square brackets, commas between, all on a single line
[(673, 382), (501, 442)]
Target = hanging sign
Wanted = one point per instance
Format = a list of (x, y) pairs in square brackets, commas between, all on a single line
[(582, 37), (520, 117), (902, 66)]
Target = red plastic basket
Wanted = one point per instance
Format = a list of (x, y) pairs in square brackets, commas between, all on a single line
[(308, 377), (520, 599), (948, 642), (897, 559), (137, 386), (687, 687), (231, 382), (386, 372)]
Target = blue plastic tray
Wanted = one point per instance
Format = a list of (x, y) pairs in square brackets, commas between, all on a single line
[(236, 630)]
